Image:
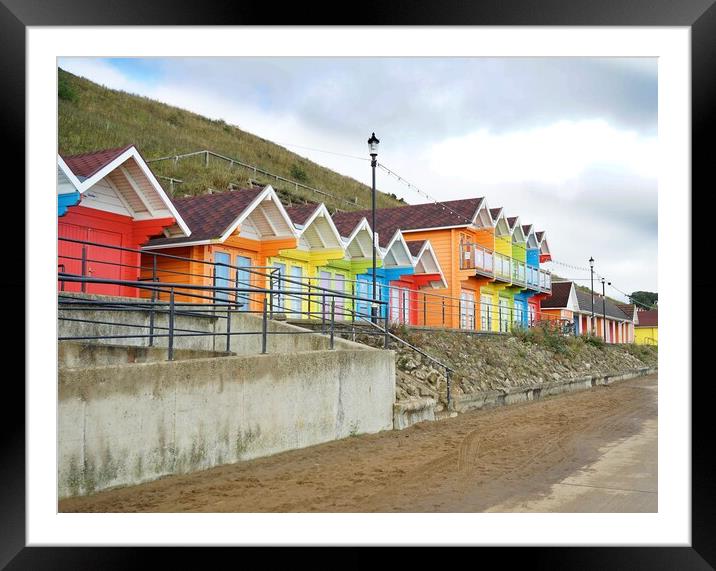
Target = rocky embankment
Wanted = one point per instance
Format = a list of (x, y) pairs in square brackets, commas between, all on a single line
[(504, 363)]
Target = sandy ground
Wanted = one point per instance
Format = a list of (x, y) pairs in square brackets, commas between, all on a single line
[(557, 454)]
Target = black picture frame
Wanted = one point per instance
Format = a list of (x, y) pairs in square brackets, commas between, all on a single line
[(16, 15)]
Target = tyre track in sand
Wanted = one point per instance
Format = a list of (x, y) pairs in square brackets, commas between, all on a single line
[(468, 463)]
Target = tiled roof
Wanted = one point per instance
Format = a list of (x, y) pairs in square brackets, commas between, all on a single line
[(347, 221), (539, 236), (511, 221), (415, 246), (413, 217), (300, 214), (87, 164), (495, 212), (526, 228), (584, 298), (559, 297), (209, 215), (649, 318), (627, 308)]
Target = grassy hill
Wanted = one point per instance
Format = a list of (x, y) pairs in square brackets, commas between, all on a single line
[(94, 117)]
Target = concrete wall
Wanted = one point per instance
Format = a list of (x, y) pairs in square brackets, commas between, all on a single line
[(130, 423), (407, 413), (282, 338), (72, 354)]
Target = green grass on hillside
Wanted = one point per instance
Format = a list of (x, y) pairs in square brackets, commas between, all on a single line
[(93, 117)]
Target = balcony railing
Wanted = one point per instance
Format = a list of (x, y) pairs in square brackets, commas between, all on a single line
[(532, 280), (545, 281), (503, 267), (478, 258), (519, 272), (493, 264)]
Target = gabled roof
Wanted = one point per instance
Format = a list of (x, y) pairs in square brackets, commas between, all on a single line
[(495, 213), (559, 298), (85, 165), (584, 299), (545, 254), (629, 309), (530, 236), (88, 169), (216, 216), (67, 171), (299, 215), (420, 249), (348, 241), (518, 234), (648, 318), (416, 246), (210, 215), (451, 213), (397, 240), (303, 217)]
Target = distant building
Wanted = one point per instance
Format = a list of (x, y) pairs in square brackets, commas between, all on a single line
[(611, 322), (647, 327)]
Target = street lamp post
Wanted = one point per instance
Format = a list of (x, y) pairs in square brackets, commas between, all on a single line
[(373, 149), (591, 269), (604, 311)]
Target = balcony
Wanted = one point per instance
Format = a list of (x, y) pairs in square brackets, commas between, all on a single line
[(503, 268), (475, 257), (519, 272), (545, 281), (532, 278)]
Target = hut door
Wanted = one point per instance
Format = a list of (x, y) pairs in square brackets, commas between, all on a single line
[(105, 262)]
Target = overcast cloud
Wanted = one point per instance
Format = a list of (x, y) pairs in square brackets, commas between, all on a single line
[(568, 144)]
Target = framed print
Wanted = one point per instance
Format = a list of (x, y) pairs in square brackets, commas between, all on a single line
[(679, 39)]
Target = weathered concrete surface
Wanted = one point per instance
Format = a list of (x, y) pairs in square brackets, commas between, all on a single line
[(72, 354), (513, 395), (470, 463), (282, 338), (126, 424), (411, 411)]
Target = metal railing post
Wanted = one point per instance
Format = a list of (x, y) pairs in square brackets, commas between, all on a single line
[(333, 320), (323, 314), (83, 286), (443, 312), (153, 301), (448, 374), (271, 284), (264, 327), (386, 337), (228, 328), (170, 348), (425, 310)]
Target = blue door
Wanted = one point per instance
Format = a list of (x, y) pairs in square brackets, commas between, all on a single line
[(243, 280), (221, 275)]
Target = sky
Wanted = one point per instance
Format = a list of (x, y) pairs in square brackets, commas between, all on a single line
[(566, 144)]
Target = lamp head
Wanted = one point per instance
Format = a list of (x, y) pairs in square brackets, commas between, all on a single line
[(373, 145)]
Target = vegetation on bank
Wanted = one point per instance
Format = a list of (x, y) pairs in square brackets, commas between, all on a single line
[(498, 362), (94, 117)]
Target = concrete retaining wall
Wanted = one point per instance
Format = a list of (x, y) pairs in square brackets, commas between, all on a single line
[(282, 338), (417, 410), (72, 354), (126, 424)]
